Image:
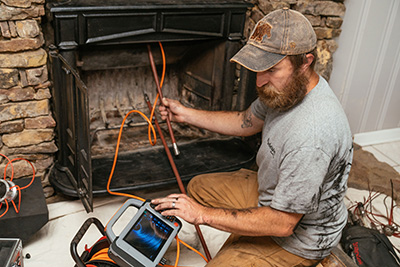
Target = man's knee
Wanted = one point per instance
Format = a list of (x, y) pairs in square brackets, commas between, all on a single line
[(193, 185), (237, 189)]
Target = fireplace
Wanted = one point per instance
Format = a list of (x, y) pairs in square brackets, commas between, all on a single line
[(101, 71)]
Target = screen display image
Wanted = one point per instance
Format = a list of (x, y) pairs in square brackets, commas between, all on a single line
[(148, 235)]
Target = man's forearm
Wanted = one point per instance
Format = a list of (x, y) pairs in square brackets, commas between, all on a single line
[(225, 122), (262, 221)]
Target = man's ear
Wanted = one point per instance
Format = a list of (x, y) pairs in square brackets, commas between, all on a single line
[(309, 58)]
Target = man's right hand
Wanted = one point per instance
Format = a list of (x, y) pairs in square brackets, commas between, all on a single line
[(233, 123), (172, 108)]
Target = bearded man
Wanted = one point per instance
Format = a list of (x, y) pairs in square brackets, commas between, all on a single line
[(291, 211)]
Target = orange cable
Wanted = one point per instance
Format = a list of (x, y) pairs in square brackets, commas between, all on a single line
[(21, 188), (177, 251), (102, 255), (116, 153), (16, 186), (19, 199), (33, 171), (193, 249), (151, 128), (164, 64), (5, 201), (5, 176)]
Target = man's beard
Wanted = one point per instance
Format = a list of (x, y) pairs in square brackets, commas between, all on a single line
[(293, 92)]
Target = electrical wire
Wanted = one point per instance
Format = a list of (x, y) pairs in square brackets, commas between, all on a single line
[(178, 240), (102, 255), (178, 251), (18, 188), (33, 171), (116, 154), (150, 130), (5, 176), (392, 205), (1, 204), (385, 224), (193, 249)]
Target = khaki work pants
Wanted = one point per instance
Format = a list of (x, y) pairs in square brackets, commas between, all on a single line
[(239, 190)]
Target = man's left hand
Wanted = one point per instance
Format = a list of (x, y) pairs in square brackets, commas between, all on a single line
[(182, 206)]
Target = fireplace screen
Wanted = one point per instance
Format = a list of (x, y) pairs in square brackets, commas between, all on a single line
[(101, 71)]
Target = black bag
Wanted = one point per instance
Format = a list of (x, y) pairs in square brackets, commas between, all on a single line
[(368, 247)]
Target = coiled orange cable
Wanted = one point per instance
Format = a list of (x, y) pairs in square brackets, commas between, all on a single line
[(17, 209), (102, 255)]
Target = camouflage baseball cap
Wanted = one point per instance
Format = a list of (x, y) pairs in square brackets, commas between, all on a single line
[(280, 33)]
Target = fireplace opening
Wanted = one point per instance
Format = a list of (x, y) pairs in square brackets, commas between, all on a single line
[(118, 79), (102, 71)]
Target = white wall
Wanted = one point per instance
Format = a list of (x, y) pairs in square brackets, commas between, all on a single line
[(366, 66)]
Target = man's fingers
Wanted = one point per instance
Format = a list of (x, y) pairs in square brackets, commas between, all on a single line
[(164, 102)]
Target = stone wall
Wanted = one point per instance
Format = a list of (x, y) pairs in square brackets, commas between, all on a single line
[(325, 16), (26, 122)]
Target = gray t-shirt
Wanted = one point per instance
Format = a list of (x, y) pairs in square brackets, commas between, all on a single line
[(304, 162)]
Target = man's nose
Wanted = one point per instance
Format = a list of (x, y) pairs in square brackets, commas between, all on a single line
[(262, 79)]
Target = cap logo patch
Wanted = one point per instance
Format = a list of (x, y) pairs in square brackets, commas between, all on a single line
[(262, 29)]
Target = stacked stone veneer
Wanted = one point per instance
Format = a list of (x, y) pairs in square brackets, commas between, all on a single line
[(26, 123), (325, 16)]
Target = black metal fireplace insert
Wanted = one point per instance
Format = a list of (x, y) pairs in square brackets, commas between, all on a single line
[(99, 54)]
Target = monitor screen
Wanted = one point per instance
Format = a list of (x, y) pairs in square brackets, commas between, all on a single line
[(148, 234)]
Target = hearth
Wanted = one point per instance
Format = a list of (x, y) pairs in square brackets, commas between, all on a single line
[(101, 71)]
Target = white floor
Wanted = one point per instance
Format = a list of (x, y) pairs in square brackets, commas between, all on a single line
[(51, 245), (386, 152)]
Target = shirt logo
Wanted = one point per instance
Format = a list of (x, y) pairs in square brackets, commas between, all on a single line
[(271, 148)]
